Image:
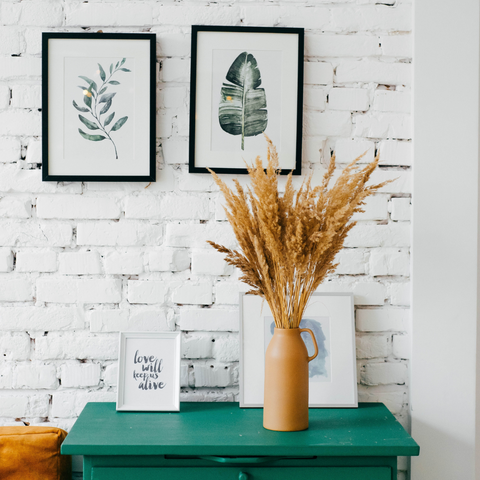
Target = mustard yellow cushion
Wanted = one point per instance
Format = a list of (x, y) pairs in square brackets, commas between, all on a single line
[(33, 453)]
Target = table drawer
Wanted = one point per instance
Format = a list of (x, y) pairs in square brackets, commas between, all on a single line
[(249, 473)]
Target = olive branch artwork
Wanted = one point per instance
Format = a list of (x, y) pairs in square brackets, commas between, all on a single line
[(98, 103), (242, 109)]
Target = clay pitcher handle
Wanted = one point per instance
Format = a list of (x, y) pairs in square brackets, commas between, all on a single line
[(314, 343)]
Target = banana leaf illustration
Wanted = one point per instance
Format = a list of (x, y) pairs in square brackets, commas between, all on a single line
[(242, 110)]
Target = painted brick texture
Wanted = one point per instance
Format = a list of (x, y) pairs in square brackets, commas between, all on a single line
[(80, 262)]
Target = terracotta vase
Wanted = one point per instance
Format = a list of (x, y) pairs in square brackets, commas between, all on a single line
[(286, 381)]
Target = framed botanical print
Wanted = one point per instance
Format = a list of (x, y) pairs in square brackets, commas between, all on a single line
[(332, 374), (98, 107), (246, 82)]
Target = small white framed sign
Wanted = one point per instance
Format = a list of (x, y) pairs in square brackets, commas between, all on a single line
[(149, 371), (332, 374)]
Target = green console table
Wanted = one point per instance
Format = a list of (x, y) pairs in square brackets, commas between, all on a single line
[(220, 441)]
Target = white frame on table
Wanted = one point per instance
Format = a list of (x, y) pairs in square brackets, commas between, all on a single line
[(123, 404), (341, 391)]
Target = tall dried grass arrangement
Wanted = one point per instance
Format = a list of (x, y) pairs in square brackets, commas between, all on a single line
[(288, 242)]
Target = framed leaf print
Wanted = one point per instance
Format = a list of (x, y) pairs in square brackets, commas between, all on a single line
[(98, 107), (246, 82)]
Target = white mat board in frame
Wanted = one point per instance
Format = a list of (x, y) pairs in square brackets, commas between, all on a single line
[(332, 379), (149, 371)]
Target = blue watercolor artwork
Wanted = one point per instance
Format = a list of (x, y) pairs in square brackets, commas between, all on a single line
[(320, 367)]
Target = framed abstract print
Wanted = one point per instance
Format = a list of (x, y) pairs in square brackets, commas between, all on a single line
[(332, 374)]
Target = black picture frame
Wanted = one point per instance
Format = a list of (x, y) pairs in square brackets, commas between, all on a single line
[(290, 123), (59, 165)]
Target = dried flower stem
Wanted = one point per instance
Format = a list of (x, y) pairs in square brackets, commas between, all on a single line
[(288, 242)]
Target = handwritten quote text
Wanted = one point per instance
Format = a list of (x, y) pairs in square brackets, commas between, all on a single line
[(150, 367)]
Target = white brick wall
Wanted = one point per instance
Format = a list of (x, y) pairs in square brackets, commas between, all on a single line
[(12, 207), (26, 96), (193, 293), (392, 101), (80, 262), (389, 262), (15, 346), (124, 263), (6, 260), (35, 376), (15, 289), (73, 290), (168, 260), (40, 260), (149, 291), (347, 149), (76, 206), (351, 99), (9, 147), (210, 263), (80, 375), (400, 209), (127, 320)]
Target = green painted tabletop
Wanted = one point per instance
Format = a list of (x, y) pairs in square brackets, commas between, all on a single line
[(226, 429)]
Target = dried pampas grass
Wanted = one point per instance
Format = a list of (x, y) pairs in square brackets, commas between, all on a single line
[(288, 242)]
